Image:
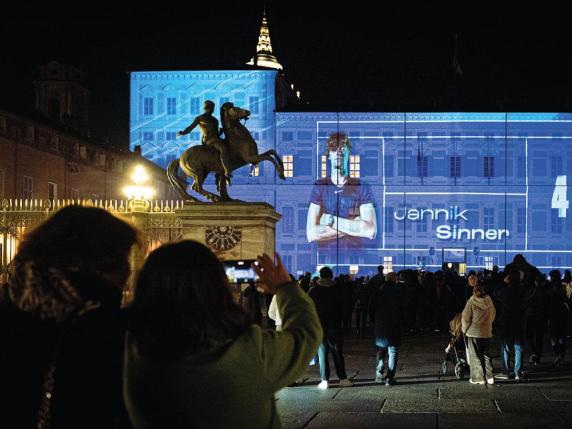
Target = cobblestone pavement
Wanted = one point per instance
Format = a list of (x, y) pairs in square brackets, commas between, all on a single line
[(425, 397)]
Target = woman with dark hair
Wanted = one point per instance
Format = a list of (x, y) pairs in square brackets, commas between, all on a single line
[(477, 324), (62, 330), (194, 360)]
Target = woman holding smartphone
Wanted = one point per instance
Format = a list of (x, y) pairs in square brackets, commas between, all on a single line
[(192, 357)]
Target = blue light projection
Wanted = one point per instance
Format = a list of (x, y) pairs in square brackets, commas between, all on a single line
[(472, 187)]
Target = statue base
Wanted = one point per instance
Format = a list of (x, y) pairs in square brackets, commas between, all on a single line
[(233, 230)]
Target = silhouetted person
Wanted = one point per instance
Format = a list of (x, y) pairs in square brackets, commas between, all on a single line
[(364, 292), (327, 297), (511, 300), (193, 360), (558, 317), (520, 263), (63, 331), (387, 303), (536, 315)]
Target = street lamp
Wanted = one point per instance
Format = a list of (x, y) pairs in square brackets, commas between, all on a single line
[(138, 192)]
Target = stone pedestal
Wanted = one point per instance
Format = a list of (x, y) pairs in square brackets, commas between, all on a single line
[(233, 230)]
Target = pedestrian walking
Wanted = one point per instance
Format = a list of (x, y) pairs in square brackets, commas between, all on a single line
[(387, 303), (511, 299), (477, 325), (328, 300)]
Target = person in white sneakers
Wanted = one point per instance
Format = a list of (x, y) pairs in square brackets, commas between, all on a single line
[(326, 296), (477, 325)]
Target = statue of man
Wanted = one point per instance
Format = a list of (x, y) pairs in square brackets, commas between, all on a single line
[(208, 125)]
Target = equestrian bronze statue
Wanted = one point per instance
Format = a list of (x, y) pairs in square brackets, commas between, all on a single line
[(216, 155)]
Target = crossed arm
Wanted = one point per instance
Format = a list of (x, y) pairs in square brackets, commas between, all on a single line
[(324, 226)]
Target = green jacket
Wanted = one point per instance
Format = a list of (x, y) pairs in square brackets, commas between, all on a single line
[(228, 388)]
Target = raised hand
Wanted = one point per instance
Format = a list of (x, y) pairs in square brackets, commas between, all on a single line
[(271, 275)]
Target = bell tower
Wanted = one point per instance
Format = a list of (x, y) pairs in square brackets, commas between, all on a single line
[(62, 96), (264, 56)]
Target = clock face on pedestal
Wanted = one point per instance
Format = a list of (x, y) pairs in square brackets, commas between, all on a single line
[(223, 237)]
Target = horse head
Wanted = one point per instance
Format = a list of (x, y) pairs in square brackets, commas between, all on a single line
[(229, 114)]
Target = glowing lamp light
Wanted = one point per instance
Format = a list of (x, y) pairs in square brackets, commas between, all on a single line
[(139, 175), (139, 191)]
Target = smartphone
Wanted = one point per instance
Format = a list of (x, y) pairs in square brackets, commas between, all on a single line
[(240, 271)]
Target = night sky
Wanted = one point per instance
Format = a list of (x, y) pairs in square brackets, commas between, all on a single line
[(399, 58)]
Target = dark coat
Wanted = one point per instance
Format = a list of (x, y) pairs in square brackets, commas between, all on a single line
[(511, 300), (536, 305), (88, 377), (524, 266), (558, 311), (327, 297), (387, 305)]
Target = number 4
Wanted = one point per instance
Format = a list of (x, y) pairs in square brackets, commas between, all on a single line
[(559, 200)]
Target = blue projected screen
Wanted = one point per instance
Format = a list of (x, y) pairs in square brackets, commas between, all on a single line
[(404, 190), (421, 190)]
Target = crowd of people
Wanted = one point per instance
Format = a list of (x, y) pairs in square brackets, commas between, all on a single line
[(520, 306), (187, 353)]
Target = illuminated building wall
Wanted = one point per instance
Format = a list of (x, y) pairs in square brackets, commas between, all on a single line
[(163, 103), (473, 187)]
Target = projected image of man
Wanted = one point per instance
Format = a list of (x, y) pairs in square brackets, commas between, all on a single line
[(341, 211)]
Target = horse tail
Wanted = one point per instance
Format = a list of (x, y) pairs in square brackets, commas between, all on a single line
[(176, 182)]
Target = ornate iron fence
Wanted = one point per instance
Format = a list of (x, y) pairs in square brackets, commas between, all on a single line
[(157, 220)]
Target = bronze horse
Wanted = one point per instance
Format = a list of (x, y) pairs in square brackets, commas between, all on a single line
[(198, 161)]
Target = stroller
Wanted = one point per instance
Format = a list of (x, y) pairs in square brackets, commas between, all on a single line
[(455, 352)]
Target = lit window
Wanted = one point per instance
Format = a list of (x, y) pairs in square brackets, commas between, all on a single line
[(171, 106), (147, 106), (354, 166), (148, 136), (255, 171), (171, 135), (489, 263), (195, 105), (288, 162), (324, 166), (387, 264)]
